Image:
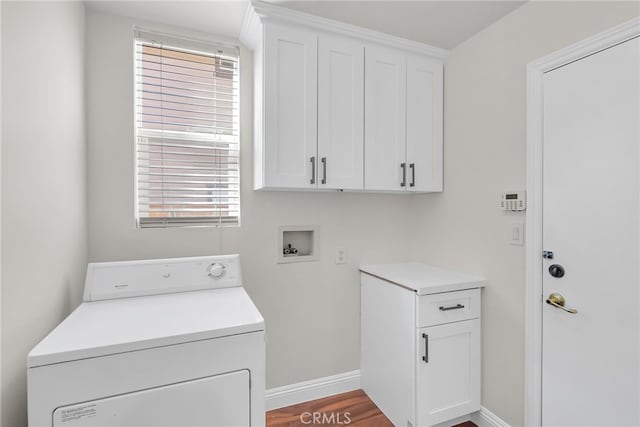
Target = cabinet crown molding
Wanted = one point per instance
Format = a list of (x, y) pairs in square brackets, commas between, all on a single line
[(260, 11)]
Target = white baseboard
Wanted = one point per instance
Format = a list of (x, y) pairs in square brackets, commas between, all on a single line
[(454, 421), (486, 418), (291, 394)]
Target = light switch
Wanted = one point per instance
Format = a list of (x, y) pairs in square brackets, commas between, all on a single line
[(517, 234)]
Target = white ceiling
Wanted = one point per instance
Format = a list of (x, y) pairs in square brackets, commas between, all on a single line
[(222, 18), (443, 24)]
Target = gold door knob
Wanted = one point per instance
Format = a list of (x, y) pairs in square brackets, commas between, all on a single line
[(558, 301)]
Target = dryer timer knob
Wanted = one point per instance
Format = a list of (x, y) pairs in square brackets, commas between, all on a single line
[(216, 270)]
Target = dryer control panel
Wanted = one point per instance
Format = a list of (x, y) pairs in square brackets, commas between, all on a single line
[(124, 279)]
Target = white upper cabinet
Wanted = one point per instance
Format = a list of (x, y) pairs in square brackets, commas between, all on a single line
[(385, 126), (340, 112), (403, 121), (424, 124), (338, 107), (290, 103)]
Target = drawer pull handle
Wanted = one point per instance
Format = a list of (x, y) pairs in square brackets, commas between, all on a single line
[(324, 170), (452, 307), (426, 348), (412, 166)]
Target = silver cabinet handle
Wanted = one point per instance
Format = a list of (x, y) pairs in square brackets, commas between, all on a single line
[(452, 307), (426, 348), (313, 169), (324, 170), (404, 174), (412, 166)]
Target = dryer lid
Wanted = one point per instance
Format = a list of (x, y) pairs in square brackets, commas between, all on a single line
[(101, 328)]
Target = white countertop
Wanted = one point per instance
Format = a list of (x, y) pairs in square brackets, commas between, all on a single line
[(422, 278)]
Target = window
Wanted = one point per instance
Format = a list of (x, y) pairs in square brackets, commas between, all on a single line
[(187, 132)]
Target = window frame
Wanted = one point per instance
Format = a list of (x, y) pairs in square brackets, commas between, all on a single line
[(187, 44)]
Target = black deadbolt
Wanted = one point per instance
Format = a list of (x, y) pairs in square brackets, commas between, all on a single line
[(556, 270)]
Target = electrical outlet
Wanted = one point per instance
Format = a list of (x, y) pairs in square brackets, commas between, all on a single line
[(341, 255)]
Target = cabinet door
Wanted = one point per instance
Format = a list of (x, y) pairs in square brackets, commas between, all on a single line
[(424, 124), (340, 112), (290, 142), (385, 96), (448, 379)]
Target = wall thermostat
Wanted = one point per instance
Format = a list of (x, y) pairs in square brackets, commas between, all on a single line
[(513, 201)]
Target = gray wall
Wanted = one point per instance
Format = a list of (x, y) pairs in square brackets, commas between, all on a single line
[(485, 119), (44, 230), (311, 310)]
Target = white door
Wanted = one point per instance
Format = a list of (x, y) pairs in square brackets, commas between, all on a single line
[(385, 165), (448, 371), (591, 220), (424, 124), (220, 401), (340, 112), (290, 61)]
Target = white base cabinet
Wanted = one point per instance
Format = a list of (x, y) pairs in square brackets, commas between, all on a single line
[(448, 382), (420, 351)]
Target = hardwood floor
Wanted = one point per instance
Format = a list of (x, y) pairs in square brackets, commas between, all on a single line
[(353, 408)]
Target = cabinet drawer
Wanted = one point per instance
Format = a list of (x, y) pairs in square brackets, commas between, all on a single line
[(446, 307)]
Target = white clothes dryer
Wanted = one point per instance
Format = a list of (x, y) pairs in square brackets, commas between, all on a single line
[(169, 342)]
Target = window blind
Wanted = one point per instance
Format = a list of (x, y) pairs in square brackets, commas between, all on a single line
[(187, 132)]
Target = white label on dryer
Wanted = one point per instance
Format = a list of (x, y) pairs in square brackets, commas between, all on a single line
[(77, 413)]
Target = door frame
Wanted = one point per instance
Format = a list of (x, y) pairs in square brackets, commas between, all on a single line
[(533, 249)]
